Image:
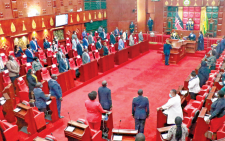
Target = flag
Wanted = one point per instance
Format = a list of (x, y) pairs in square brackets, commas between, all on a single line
[(205, 24), (178, 22)]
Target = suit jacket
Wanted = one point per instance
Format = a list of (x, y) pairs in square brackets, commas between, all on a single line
[(32, 45), (31, 82), (46, 45), (85, 42), (102, 35), (104, 95), (132, 28), (116, 31), (40, 98), (90, 39), (98, 45), (54, 89), (94, 111), (105, 51), (140, 107), (166, 49), (19, 53), (100, 29), (121, 44), (84, 33), (85, 58), (131, 40), (150, 23), (74, 36), (140, 36), (36, 65), (13, 67), (112, 39), (30, 55), (62, 65), (58, 56), (79, 49)]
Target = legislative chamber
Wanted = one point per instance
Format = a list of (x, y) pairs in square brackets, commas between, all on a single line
[(112, 70)]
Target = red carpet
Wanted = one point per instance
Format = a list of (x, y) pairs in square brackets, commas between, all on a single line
[(147, 73)]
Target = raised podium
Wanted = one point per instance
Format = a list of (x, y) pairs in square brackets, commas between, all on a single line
[(124, 134), (77, 132)]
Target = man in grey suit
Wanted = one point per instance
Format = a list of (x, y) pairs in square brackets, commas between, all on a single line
[(104, 95), (131, 40), (90, 38), (74, 35), (13, 67), (140, 36), (85, 57)]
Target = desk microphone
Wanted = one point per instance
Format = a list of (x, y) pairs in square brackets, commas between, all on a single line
[(119, 126), (69, 115)]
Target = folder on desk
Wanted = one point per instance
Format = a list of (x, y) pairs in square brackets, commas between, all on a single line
[(2, 102), (17, 110), (117, 138), (70, 129), (164, 136), (48, 102)]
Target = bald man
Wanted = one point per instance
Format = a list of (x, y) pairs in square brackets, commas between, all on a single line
[(140, 137), (104, 95), (140, 111)]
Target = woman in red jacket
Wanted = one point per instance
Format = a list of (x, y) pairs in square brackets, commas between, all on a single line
[(94, 111)]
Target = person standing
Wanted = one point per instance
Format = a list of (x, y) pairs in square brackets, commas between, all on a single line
[(173, 106), (140, 37), (79, 48), (64, 64), (116, 32), (223, 43), (193, 85), (140, 111), (74, 44), (36, 65), (94, 111), (14, 68), (131, 40), (105, 49), (203, 73), (124, 35), (85, 42), (132, 27), (192, 36), (112, 38), (166, 50), (98, 44), (218, 49), (46, 43), (74, 35), (59, 54), (150, 24), (84, 33), (32, 81), (56, 91), (85, 57), (34, 45), (190, 25), (18, 51), (211, 61), (200, 41), (90, 38), (100, 29), (29, 53), (104, 95), (121, 44)]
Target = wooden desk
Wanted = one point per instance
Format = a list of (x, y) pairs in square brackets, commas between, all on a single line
[(10, 91), (183, 33), (190, 46), (134, 51), (121, 56), (7, 109), (88, 71), (144, 46), (80, 133), (106, 63), (208, 102), (160, 131), (201, 127), (128, 134), (197, 69)]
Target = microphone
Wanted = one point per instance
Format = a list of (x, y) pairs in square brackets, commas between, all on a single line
[(119, 126), (69, 115)]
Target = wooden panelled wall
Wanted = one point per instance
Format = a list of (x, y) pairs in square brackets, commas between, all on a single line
[(43, 26)]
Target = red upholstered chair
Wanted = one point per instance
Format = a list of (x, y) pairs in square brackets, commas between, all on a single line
[(96, 54), (78, 61), (28, 66), (54, 69), (6, 78), (187, 121), (185, 14), (72, 64), (91, 56), (197, 14), (49, 52), (221, 132), (191, 14), (112, 49), (68, 40), (18, 62), (204, 89), (42, 57), (45, 74), (63, 49), (68, 47), (39, 118), (107, 36), (10, 131), (95, 39), (197, 9), (75, 53), (12, 53), (54, 59), (4, 58), (24, 59), (196, 27), (23, 89), (185, 9), (191, 9), (93, 48)]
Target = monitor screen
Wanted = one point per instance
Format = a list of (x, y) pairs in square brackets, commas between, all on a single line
[(61, 20)]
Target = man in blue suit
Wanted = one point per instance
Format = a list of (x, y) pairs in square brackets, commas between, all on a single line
[(105, 49), (116, 31), (121, 44), (166, 50), (104, 95), (84, 33), (64, 64), (192, 36), (56, 91), (150, 24), (79, 48), (223, 43), (140, 111), (112, 38), (34, 45), (85, 42), (98, 44), (40, 98), (218, 49), (103, 35), (29, 53)]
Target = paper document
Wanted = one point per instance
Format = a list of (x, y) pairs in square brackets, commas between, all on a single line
[(164, 136), (70, 129), (2, 98), (165, 112), (214, 99), (183, 92), (2, 102), (48, 102), (17, 110), (221, 83), (117, 138)]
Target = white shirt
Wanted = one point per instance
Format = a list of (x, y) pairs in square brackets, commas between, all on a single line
[(193, 85), (174, 109)]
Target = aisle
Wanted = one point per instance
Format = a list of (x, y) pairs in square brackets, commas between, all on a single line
[(147, 73)]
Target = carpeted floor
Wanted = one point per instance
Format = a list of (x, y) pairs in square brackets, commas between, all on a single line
[(147, 73)]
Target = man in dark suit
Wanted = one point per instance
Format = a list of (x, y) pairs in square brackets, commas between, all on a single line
[(104, 95), (29, 53), (79, 48), (166, 50), (112, 38), (40, 98), (105, 49), (34, 45), (140, 111), (98, 44), (64, 64), (56, 91)]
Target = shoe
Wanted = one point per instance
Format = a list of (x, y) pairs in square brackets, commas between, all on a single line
[(61, 117)]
